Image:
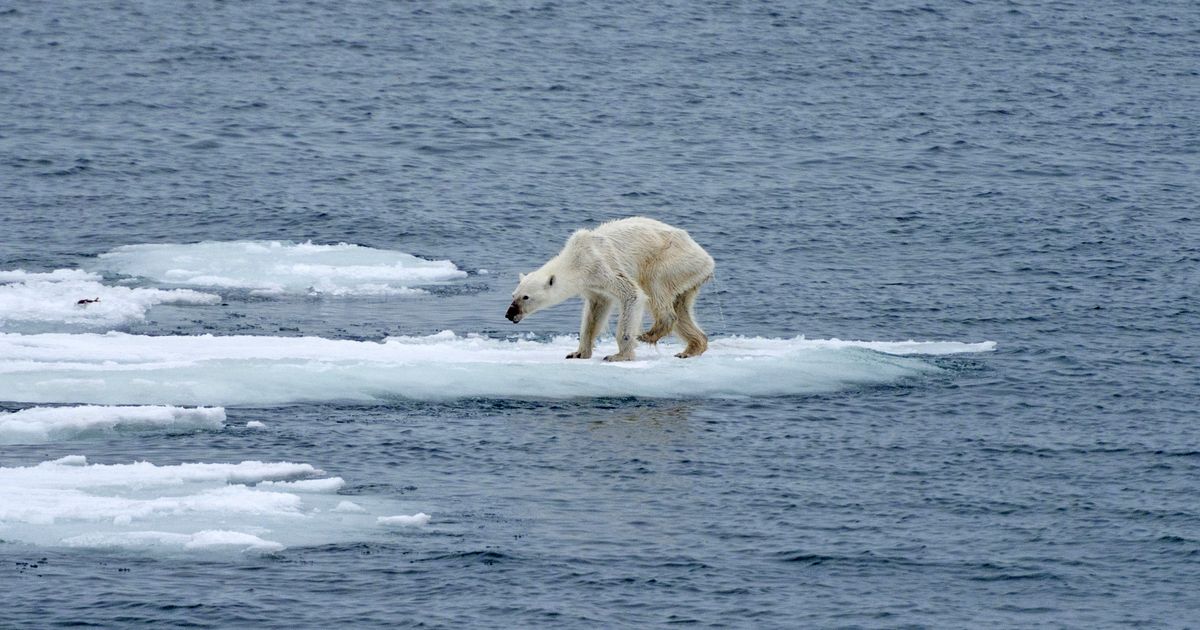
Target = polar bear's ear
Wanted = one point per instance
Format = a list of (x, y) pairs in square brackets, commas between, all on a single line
[(520, 277), (551, 281)]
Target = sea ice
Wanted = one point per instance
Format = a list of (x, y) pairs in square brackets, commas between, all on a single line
[(319, 486), (205, 540), (415, 520), (117, 368), (36, 301), (48, 424), (280, 267), (258, 506)]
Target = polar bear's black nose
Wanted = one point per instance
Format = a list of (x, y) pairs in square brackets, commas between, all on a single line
[(513, 313)]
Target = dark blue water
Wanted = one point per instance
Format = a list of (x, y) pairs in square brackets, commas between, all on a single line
[(1019, 172)]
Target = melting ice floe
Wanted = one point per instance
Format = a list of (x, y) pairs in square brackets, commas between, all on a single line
[(404, 521), (280, 267), (46, 424), (117, 368), (33, 300), (246, 507)]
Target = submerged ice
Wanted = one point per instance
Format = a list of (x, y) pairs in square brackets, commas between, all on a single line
[(117, 368), (249, 506), (280, 267)]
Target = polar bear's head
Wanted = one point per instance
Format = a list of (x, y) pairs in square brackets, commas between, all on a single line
[(534, 292)]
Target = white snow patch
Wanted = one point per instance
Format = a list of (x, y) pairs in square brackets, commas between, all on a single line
[(48, 424), (279, 267), (117, 368), (256, 506), (416, 520), (34, 300)]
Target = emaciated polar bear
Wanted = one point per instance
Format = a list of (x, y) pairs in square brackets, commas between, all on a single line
[(633, 263)]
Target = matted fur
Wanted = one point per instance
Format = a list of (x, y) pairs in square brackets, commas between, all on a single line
[(633, 264)]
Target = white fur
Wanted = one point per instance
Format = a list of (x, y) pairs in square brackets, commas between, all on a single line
[(633, 264)]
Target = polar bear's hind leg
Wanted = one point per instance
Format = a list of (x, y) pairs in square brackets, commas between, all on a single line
[(686, 326), (660, 298)]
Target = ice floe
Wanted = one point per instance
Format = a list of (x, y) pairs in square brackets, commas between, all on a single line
[(247, 507), (208, 539), (118, 368), (58, 275), (275, 267), (416, 520), (78, 299), (48, 424)]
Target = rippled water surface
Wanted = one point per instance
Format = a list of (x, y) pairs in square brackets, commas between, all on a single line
[(1023, 173)]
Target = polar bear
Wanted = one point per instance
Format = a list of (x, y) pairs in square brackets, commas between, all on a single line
[(632, 263)]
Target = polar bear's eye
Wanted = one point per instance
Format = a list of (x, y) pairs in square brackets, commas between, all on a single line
[(524, 297)]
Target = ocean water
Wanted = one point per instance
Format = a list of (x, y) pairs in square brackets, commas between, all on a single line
[(258, 426)]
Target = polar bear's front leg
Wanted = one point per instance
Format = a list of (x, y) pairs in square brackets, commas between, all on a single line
[(595, 313), (629, 323)]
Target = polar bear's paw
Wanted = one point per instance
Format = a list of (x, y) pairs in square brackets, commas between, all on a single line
[(649, 337)]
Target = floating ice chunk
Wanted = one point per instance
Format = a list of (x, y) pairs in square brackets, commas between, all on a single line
[(255, 424), (415, 520), (202, 540), (72, 489), (274, 267), (47, 424), (116, 368), (325, 486), (30, 301), (140, 505), (225, 538), (929, 348), (58, 275)]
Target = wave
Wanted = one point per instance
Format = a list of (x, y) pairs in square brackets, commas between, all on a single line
[(118, 368), (260, 506), (29, 301), (280, 267), (47, 424)]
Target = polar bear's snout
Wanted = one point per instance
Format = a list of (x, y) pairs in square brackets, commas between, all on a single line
[(514, 312)]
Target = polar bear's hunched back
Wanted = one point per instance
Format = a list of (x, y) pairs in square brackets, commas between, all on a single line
[(630, 263)]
